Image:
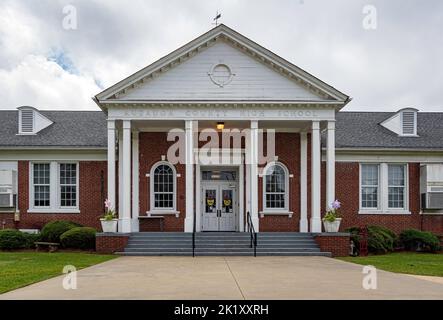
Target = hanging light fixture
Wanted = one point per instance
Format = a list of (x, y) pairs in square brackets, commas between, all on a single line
[(220, 125)]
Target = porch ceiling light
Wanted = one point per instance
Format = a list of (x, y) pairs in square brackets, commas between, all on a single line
[(220, 125)]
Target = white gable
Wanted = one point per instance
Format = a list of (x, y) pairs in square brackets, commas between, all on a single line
[(191, 80)]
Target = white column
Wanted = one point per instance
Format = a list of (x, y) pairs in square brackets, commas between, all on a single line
[(330, 164), (135, 177), (126, 178), (315, 178), (111, 163), (303, 182), (189, 146), (120, 175), (253, 174)]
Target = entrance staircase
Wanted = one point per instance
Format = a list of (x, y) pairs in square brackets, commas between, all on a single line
[(222, 244)]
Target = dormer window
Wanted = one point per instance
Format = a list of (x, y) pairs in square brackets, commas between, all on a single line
[(409, 122), (30, 121), (403, 123), (26, 121)]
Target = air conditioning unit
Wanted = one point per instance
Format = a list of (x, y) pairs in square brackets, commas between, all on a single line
[(8, 188), (431, 186)]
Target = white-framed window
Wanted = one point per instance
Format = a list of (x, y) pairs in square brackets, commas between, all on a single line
[(384, 188), (68, 185), (396, 186), (54, 187), (276, 188), (41, 185), (163, 187), (369, 189)]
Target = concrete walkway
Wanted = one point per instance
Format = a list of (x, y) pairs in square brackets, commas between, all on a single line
[(229, 278)]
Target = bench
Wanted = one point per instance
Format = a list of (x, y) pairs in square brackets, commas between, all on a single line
[(51, 245)]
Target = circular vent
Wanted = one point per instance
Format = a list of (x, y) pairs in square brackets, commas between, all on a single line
[(221, 74)]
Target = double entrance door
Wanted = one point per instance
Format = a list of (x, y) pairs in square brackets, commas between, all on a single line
[(219, 206)]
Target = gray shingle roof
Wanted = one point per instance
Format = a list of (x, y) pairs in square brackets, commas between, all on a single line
[(79, 129), (363, 130), (87, 129)]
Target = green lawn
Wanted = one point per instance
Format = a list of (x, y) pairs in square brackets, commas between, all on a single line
[(18, 269), (426, 264)]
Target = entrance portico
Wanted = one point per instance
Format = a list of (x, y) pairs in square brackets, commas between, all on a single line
[(248, 170), (221, 76)]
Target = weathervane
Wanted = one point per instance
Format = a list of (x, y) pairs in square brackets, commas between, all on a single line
[(217, 16)]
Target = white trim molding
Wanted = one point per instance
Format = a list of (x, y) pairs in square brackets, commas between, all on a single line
[(276, 211)]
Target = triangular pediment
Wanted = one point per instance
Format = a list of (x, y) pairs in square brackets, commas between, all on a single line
[(221, 65)]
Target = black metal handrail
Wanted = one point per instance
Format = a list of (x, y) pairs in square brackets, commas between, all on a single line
[(252, 232), (193, 236)]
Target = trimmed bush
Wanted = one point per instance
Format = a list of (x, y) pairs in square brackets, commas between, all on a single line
[(52, 231), (413, 239), (380, 239), (11, 239), (79, 238), (30, 239)]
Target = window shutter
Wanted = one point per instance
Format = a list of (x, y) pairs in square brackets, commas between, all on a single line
[(27, 121), (409, 124)]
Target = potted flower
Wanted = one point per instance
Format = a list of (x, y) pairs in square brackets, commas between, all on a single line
[(109, 220), (331, 220)]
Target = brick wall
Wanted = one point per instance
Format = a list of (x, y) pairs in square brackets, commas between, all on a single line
[(336, 243), (287, 148), (152, 145), (91, 197), (347, 191), (110, 242)]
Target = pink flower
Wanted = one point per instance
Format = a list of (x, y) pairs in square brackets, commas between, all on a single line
[(108, 203), (336, 205)]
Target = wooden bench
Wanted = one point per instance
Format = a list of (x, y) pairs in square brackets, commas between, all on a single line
[(51, 245)]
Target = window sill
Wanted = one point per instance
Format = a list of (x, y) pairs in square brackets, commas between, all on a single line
[(276, 213), (386, 212), (162, 213), (68, 211)]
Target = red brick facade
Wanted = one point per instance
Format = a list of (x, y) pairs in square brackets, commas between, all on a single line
[(154, 145), (92, 188), (110, 243), (337, 244)]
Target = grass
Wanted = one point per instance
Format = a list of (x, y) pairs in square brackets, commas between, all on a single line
[(19, 269), (426, 264)]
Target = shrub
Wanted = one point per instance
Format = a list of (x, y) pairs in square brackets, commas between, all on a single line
[(52, 231), (380, 239), (413, 239), (79, 238), (11, 239), (30, 239)]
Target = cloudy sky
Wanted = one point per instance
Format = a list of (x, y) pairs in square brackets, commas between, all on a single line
[(397, 64)]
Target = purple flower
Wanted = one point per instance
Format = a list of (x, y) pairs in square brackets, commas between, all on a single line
[(336, 205)]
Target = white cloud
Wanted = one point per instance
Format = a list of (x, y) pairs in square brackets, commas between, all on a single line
[(39, 82), (396, 65)]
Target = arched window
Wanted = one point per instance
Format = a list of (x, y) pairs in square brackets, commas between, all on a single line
[(276, 188), (163, 186)]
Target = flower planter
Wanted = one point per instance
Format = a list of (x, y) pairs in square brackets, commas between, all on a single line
[(332, 226), (109, 225)]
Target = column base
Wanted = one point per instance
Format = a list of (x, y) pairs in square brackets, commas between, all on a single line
[(315, 225), (135, 225), (303, 225), (124, 225), (189, 224)]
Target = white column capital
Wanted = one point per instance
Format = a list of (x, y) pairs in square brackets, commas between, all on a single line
[(331, 125), (254, 124), (126, 124), (315, 125), (111, 124)]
